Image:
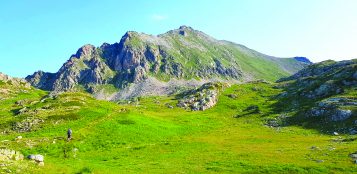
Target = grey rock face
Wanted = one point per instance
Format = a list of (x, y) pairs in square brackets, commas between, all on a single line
[(84, 67), (42, 80)]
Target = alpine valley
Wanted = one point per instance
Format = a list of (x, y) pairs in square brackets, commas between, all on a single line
[(180, 102)]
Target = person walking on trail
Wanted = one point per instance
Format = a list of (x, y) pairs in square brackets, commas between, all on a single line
[(69, 134)]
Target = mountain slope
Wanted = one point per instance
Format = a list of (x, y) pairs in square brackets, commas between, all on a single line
[(322, 96), (148, 136), (182, 54)]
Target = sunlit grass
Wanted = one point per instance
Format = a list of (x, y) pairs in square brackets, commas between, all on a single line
[(149, 137)]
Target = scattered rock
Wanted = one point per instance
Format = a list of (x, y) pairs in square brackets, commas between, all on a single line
[(7, 154), (169, 106), (331, 148), (22, 111), (272, 123), (233, 96), (319, 161), (21, 102), (314, 148), (27, 124), (253, 109), (335, 133)]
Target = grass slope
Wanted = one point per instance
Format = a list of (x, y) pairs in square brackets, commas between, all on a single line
[(148, 137)]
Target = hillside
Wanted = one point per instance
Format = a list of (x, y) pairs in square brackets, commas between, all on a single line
[(161, 64), (253, 128), (322, 96)]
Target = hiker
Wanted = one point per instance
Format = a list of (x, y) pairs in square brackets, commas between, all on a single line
[(69, 134)]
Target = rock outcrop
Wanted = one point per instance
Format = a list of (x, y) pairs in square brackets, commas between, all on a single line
[(323, 95), (17, 82), (331, 111), (8, 155), (202, 98)]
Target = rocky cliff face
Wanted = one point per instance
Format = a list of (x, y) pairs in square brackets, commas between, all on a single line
[(83, 68), (182, 53)]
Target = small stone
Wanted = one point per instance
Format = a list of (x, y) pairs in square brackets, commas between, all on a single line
[(233, 96), (319, 161), (169, 106), (39, 158), (314, 147), (335, 133)]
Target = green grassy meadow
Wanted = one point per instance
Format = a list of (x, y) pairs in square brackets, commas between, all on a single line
[(146, 136)]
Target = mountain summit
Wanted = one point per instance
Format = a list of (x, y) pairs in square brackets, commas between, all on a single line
[(142, 64)]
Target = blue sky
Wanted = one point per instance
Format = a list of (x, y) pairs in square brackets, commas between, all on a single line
[(42, 34)]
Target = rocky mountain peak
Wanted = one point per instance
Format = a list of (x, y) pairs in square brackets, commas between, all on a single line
[(187, 28), (129, 35), (184, 30), (182, 54), (85, 50)]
